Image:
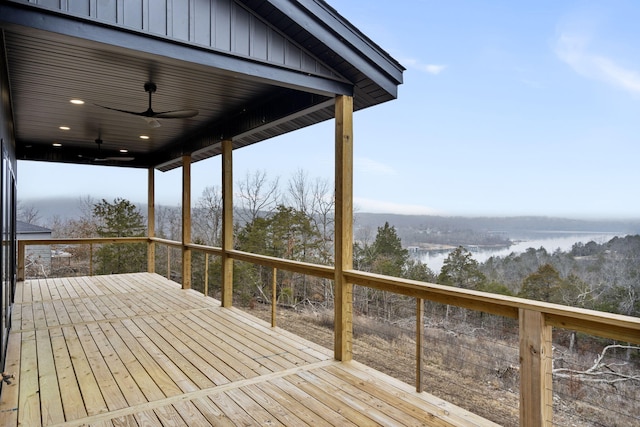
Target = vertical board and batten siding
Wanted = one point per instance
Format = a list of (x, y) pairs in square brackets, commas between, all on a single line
[(223, 25)]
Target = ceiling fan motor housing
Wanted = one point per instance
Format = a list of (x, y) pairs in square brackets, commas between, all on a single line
[(150, 87)]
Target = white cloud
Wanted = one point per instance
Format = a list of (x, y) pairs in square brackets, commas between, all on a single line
[(434, 69), (366, 165), (573, 49), (379, 206)]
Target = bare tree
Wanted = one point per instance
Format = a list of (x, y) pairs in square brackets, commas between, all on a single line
[(323, 208), (73, 228), (299, 192), (365, 235), (168, 222), (316, 199), (257, 194), (86, 208), (28, 214), (207, 218)]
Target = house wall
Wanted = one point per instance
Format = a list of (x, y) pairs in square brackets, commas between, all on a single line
[(7, 207), (223, 25), (37, 257)]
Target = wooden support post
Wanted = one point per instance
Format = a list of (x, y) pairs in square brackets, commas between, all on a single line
[(186, 221), (206, 274), (419, 343), (227, 223), (343, 322), (274, 302), (151, 221), (536, 395), (21, 261), (90, 259)]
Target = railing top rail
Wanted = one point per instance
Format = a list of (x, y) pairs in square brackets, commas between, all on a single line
[(83, 240), (204, 248), (167, 242), (610, 325), (323, 271)]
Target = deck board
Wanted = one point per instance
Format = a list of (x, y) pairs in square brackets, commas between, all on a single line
[(136, 350), (10, 392), (50, 399), (72, 402), (129, 391), (29, 401)]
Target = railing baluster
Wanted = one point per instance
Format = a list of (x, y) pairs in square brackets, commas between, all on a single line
[(206, 274), (169, 262), (274, 276), (90, 259), (151, 257), (419, 343)]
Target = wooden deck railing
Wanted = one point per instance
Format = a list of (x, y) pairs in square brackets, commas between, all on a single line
[(536, 319), (22, 244)]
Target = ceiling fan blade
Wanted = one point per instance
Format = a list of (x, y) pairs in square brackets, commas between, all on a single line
[(150, 88), (135, 113), (176, 114), (118, 159)]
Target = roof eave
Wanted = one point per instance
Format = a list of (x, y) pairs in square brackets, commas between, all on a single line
[(335, 32)]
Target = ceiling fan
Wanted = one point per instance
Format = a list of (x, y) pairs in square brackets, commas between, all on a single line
[(151, 116), (110, 158)]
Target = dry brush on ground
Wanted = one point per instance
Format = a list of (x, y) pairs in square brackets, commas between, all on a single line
[(474, 364)]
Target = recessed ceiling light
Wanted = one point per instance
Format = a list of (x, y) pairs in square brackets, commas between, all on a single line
[(144, 137), (65, 128), (77, 101), (124, 151), (57, 144)]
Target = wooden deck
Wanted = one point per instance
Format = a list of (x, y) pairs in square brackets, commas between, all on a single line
[(136, 350)]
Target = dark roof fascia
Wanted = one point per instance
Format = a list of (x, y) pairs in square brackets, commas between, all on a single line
[(117, 37), (273, 113), (333, 30), (296, 119)]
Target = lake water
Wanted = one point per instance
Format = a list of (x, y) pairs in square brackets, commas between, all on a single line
[(532, 239)]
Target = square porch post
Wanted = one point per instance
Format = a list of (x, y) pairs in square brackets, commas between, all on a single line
[(186, 221), (227, 223), (536, 378), (343, 322), (151, 221)]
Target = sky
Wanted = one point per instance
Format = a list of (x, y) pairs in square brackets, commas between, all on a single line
[(507, 108)]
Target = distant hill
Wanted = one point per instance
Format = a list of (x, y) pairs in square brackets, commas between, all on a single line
[(66, 208), (505, 225), (49, 208), (62, 207)]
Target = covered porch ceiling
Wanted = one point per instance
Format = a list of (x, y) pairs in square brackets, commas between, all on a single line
[(253, 69)]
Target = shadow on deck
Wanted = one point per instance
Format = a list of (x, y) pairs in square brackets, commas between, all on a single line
[(136, 350)]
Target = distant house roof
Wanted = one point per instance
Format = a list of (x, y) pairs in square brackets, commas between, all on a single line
[(26, 228)]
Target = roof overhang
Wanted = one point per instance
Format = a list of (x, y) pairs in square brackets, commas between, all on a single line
[(275, 67)]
